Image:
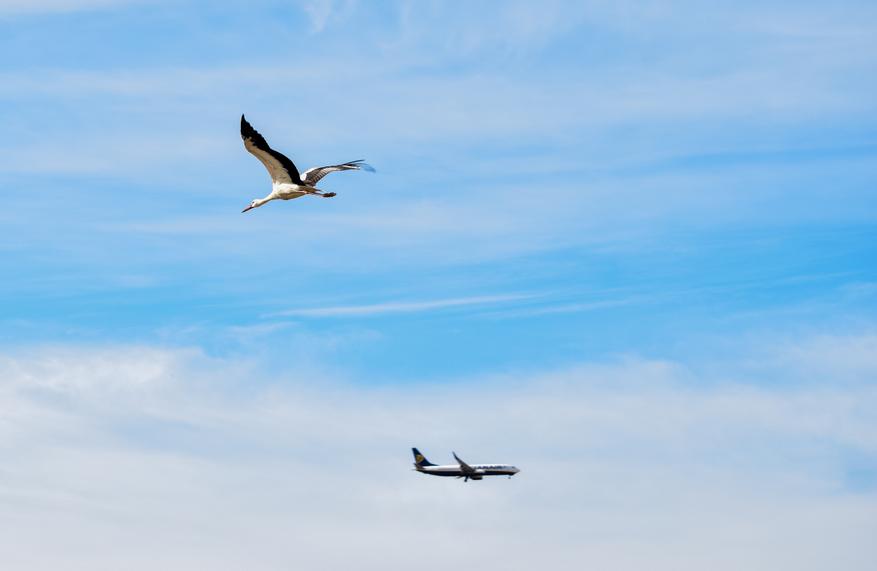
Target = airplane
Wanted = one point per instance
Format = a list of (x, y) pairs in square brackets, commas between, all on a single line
[(461, 470)]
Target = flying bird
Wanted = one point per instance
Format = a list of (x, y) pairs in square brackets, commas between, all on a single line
[(286, 182)]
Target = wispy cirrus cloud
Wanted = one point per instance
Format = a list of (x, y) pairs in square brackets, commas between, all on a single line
[(375, 309)]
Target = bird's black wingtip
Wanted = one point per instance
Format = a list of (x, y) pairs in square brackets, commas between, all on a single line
[(362, 165), (246, 128)]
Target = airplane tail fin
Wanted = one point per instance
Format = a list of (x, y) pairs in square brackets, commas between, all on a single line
[(420, 459)]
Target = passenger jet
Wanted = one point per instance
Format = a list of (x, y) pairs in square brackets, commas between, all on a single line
[(461, 469)]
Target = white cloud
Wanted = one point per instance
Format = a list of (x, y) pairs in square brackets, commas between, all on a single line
[(400, 306), (321, 11), (143, 458), (830, 358)]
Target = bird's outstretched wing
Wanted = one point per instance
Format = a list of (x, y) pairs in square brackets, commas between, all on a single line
[(313, 176), (279, 166)]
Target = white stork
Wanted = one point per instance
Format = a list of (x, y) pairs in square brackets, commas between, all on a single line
[(286, 183)]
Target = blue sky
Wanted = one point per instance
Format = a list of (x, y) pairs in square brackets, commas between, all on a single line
[(655, 222)]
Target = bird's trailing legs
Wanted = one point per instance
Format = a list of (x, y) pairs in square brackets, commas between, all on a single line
[(320, 193)]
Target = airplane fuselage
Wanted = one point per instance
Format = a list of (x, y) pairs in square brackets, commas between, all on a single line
[(480, 470), (461, 469)]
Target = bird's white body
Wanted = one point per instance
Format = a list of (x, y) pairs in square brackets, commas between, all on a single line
[(289, 190), (286, 182), (280, 191)]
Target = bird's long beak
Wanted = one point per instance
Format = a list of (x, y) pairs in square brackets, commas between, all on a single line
[(250, 207)]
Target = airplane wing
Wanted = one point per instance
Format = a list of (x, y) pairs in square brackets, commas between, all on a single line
[(466, 468)]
